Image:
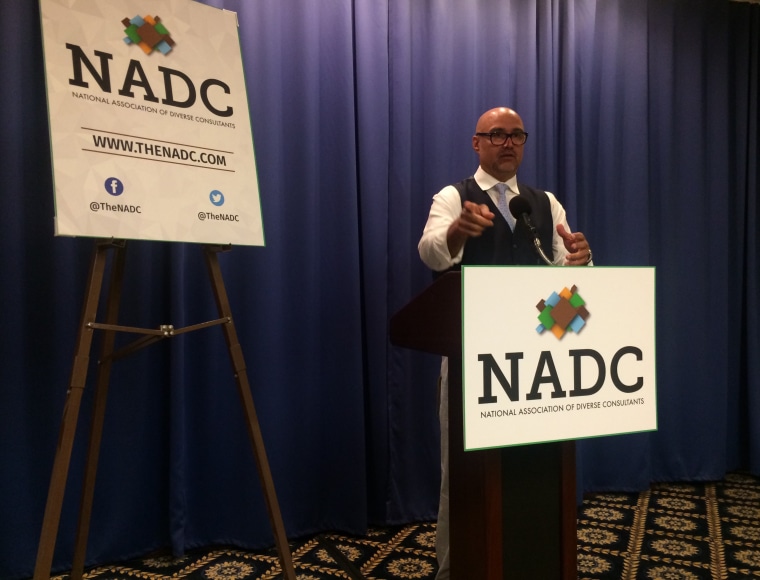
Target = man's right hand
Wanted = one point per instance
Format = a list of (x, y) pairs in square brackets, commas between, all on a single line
[(470, 224)]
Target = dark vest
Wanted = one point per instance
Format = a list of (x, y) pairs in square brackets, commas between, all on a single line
[(498, 245)]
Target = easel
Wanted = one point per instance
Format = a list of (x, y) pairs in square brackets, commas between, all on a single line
[(87, 327)]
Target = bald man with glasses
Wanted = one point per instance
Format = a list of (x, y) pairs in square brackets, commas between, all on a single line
[(469, 223)]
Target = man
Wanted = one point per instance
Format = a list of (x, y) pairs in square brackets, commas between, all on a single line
[(470, 223)]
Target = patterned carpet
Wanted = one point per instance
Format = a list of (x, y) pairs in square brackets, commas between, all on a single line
[(694, 531), (385, 553)]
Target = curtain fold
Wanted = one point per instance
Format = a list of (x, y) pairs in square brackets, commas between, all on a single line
[(744, 243), (643, 120)]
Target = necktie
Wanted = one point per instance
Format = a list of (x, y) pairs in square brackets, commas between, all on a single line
[(501, 203)]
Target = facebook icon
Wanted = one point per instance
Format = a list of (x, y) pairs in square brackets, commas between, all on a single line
[(114, 186)]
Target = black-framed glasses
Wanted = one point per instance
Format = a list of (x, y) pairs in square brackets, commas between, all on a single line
[(499, 137)]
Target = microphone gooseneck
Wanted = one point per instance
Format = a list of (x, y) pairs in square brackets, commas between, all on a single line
[(521, 209)]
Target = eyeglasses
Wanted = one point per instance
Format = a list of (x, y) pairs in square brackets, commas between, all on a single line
[(499, 138)]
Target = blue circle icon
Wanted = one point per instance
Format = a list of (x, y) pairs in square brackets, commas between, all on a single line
[(216, 197), (114, 186)]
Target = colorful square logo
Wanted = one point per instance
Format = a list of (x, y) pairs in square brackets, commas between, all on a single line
[(149, 33), (562, 312)]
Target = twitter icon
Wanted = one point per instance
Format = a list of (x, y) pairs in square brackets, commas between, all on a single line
[(216, 197)]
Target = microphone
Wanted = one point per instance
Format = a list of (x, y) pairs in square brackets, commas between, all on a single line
[(521, 209)]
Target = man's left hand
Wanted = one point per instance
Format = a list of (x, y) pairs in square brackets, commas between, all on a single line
[(579, 252)]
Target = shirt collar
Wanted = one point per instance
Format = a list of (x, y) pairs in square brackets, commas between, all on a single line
[(486, 181)]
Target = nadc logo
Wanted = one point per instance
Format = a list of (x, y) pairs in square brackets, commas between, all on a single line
[(148, 33), (562, 312)]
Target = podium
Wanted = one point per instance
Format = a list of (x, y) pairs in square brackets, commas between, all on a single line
[(512, 509)]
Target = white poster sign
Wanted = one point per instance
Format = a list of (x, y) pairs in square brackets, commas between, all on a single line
[(551, 354), (149, 124)]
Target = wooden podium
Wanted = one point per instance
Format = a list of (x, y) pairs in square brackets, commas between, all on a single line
[(512, 510)]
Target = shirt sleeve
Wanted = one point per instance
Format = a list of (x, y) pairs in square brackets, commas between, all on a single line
[(446, 207), (433, 246), (559, 216)]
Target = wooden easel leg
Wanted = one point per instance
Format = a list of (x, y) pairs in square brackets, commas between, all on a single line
[(98, 414), (254, 429), (52, 517)]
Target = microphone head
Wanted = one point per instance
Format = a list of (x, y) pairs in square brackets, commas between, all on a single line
[(518, 206)]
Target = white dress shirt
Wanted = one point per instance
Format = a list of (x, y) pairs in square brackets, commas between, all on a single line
[(446, 207)]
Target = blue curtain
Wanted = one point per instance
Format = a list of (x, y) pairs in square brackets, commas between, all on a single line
[(643, 119), (744, 241)]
